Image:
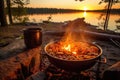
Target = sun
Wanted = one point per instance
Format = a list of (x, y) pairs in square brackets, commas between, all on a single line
[(85, 8)]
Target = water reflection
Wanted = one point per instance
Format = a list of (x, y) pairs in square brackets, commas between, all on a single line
[(90, 17), (84, 14)]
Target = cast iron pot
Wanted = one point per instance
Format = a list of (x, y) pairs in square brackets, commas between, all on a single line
[(76, 65)]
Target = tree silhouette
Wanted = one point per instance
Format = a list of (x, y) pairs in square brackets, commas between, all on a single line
[(9, 11), (3, 20), (108, 7), (19, 4)]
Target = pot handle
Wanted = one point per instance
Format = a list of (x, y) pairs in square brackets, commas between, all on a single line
[(102, 60)]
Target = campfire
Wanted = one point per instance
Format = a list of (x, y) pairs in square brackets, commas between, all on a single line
[(75, 56), (72, 54), (69, 48), (73, 51)]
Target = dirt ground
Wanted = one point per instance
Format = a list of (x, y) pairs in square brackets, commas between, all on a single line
[(14, 35), (12, 32)]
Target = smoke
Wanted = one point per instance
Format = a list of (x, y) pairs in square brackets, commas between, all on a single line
[(74, 31)]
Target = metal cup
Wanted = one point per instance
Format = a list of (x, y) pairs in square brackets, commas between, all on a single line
[(33, 37)]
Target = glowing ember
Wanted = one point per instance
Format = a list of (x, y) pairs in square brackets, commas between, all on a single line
[(74, 52)]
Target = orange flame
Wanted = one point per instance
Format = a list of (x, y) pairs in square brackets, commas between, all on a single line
[(68, 48), (70, 36)]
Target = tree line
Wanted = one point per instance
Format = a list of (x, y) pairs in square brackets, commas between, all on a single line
[(49, 10), (113, 11), (31, 10), (55, 10)]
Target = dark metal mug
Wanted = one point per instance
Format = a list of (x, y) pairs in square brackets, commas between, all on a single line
[(33, 37)]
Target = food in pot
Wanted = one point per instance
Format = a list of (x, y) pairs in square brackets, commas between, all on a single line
[(73, 51)]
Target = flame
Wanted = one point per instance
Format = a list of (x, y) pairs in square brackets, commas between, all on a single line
[(68, 47), (71, 36)]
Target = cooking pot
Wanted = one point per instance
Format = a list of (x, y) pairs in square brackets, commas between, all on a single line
[(73, 65)]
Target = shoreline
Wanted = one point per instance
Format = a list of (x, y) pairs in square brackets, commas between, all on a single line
[(14, 32)]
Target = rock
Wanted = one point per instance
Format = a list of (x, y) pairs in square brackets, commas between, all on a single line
[(2, 44), (12, 49), (37, 76), (113, 72)]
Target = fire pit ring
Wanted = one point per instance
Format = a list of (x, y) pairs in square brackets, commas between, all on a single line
[(73, 65)]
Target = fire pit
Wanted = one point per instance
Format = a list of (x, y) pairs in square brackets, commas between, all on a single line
[(76, 56)]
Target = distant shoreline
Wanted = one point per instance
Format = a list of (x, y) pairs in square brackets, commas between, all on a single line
[(56, 10)]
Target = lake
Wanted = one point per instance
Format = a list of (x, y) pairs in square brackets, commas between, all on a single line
[(90, 17)]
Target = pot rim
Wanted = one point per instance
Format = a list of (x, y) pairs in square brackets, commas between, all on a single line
[(100, 53), (32, 29)]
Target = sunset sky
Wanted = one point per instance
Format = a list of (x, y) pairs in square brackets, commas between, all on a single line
[(69, 4)]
